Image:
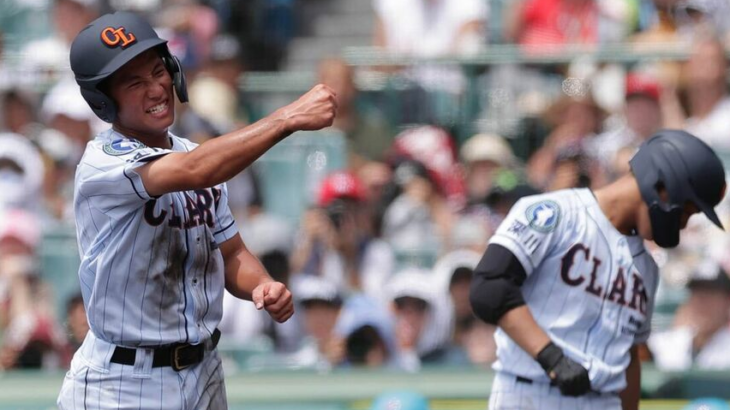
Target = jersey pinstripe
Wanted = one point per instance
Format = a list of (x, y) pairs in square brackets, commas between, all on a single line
[(151, 270), (588, 286)]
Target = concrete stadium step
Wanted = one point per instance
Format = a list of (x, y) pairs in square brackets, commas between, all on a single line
[(354, 6), (335, 25), (305, 53)]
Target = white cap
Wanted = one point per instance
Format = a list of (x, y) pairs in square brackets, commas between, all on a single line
[(412, 282), (65, 99), (265, 233), (446, 265), (309, 287), (488, 147), (19, 189)]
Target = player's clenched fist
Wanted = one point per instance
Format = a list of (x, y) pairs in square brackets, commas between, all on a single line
[(312, 111), (275, 298), (570, 377)]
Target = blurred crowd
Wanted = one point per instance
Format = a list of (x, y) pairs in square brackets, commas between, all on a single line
[(377, 223)]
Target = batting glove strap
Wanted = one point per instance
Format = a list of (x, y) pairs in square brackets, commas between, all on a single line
[(549, 357), (571, 378)]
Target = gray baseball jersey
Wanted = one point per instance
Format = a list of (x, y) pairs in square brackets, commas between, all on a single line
[(151, 269), (588, 286)]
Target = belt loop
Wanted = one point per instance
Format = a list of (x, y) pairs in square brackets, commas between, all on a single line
[(143, 363), (215, 338)]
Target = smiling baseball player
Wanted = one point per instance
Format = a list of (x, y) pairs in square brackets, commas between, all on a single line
[(571, 287), (157, 241)]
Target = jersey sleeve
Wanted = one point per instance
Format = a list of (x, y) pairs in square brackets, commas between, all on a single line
[(530, 230), (106, 176), (225, 226)]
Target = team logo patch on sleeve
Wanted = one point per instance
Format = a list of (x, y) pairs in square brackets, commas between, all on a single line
[(122, 146), (543, 216)]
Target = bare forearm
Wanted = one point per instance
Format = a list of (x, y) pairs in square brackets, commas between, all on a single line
[(520, 326), (222, 158), (243, 271), (245, 276)]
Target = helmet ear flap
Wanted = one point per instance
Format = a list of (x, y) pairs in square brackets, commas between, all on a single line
[(173, 66), (103, 106)]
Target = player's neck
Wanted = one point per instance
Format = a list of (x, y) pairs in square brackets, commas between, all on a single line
[(157, 140), (619, 202)]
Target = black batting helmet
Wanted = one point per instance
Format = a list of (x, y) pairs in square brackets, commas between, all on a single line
[(108, 43), (688, 169)]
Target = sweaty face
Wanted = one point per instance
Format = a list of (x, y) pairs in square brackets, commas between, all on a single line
[(142, 90)]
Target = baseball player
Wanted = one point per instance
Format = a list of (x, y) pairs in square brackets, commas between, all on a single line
[(157, 240), (568, 281)]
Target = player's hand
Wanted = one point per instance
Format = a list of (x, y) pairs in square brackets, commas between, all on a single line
[(570, 377), (312, 111), (275, 298)]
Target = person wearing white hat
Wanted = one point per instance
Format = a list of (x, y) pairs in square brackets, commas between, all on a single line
[(423, 318), (700, 335), (21, 173), (485, 155)]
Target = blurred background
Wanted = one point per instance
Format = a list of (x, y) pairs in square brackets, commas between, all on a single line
[(450, 111)]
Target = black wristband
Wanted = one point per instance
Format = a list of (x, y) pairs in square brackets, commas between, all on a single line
[(549, 356)]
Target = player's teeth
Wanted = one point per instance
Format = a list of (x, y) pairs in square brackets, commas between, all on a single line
[(157, 108)]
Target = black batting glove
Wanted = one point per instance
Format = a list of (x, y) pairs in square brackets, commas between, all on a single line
[(570, 377)]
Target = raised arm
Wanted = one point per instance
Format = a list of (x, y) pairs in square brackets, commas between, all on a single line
[(220, 159)]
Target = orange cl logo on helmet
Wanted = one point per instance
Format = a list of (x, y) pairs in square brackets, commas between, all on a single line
[(114, 37)]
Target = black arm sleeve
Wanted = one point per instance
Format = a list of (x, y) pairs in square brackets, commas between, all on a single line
[(495, 285)]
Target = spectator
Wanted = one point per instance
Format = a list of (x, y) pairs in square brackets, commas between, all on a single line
[(216, 107), (71, 124), (471, 232), (423, 319), (574, 120), (193, 27), (473, 337), (18, 112), (21, 173), (708, 102), (678, 21), (76, 326), (642, 117), (50, 54), (434, 28), (701, 332), (367, 132), (31, 338), (336, 240), (573, 168), (435, 148), (410, 221), (269, 239), (320, 302), (365, 329), (215, 91), (540, 24), (485, 155)]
